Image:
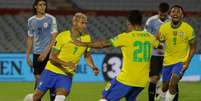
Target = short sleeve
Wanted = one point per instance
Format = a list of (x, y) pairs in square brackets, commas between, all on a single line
[(58, 43), (54, 25), (119, 40), (148, 26), (30, 29), (191, 34)]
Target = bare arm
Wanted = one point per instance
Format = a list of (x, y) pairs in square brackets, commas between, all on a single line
[(90, 62), (28, 51), (97, 44), (192, 44)]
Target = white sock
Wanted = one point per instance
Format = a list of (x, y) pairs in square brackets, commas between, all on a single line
[(59, 98), (169, 97), (28, 97), (162, 96), (102, 100)]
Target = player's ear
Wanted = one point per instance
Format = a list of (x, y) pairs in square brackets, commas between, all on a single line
[(182, 15)]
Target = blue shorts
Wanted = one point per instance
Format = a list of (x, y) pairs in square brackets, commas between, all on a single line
[(115, 90), (52, 80), (169, 70)]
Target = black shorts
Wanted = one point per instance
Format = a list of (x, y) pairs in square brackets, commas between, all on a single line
[(38, 66), (156, 65)]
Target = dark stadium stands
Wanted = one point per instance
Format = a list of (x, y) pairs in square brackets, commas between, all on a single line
[(189, 5), (13, 26), (13, 29)]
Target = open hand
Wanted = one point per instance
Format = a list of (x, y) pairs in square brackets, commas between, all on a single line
[(29, 62), (96, 71)]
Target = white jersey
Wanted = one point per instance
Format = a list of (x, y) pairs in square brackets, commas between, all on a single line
[(152, 26)]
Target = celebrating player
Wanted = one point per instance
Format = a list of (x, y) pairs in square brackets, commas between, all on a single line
[(152, 25), (63, 59), (180, 45)]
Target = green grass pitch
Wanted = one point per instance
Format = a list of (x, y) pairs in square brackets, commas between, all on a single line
[(15, 91)]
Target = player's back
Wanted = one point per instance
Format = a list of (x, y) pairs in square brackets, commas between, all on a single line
[(136, 48)]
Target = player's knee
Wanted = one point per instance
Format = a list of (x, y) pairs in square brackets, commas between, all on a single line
[(62, 91), (165, 86), (37, 95), (175, 77), (172, 88), (154, 79)]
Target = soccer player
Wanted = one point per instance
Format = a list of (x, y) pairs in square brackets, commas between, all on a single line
[(42, 30), (180, 45), (64, 56), (152, 25), (136, 46)]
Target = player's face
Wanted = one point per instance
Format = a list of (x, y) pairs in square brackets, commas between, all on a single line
[(176, 14), (41, 7), (82, 24), (130, 27), (163, 16)]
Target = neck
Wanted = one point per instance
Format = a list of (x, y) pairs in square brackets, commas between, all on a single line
[(163, 20), (175, 24), (137, 28), (75, 33), (40, 15)]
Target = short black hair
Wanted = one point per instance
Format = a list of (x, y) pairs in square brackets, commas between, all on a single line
[(35, 3), (178, 6), (135, 17), (163, 7)]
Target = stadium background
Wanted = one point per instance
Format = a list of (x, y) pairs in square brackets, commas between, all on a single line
[(107, 18)]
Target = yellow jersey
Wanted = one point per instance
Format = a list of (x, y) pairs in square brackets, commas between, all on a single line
[(136, 47), (176, 42), (68, 52)]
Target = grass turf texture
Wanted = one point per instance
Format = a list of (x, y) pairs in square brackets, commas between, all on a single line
[(15, 91)]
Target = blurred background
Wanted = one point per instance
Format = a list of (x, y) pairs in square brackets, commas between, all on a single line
[(107, 18)]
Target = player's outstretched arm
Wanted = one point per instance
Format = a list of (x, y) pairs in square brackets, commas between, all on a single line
[(97, 44), (90, 62)]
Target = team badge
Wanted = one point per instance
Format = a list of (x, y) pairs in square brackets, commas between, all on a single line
[(45, 25)]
